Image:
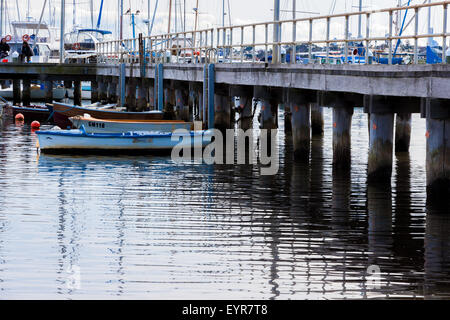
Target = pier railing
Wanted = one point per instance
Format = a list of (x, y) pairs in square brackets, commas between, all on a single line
[(322, 39)]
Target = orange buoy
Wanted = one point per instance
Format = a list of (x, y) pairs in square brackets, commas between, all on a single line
[(35, 125), (19, 117)]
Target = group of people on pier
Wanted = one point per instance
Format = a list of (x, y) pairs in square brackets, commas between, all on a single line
[(25, 52)]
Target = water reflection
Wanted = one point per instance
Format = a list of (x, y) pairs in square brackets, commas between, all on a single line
[(140, 227)]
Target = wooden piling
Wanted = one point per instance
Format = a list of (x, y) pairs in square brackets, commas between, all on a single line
[(342, 123), (103, 90), (26, 92), (269, 114), (403, 132), (77, 93), (222, 114), (112, 91), (131, 95), (301, 130), (381, 147), (94, 92), (438, 160), (141, 103), (246, 117), (181, 103), (48, 91), (17, 93)]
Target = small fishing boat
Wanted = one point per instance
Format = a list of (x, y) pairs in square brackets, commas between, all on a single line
[(93, 125), (79, 141), (62, 112)]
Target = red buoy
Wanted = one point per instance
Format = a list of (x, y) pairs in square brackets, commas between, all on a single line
[(19, 117), (35, 125)]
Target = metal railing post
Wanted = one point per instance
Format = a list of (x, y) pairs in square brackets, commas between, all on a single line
[(328, 41), (416, 40), (390, 36), (310, 40), (444, 37)]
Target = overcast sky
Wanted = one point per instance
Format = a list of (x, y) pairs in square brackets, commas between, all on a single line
[(242, 12)]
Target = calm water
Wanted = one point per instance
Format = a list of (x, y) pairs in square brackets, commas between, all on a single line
[(143, 228)]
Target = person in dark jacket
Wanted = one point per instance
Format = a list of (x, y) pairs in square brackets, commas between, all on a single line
[(4, 49), (26, 52)]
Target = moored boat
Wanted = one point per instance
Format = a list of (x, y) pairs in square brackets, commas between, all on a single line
[(62, 112), (79, 141), (93, 125), (30, 113)]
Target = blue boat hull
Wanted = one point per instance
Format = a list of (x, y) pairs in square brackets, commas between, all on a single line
[(78, 141)]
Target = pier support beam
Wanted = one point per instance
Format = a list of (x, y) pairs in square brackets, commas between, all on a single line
[(181, 104), (112, 91), (48, 91), (141, 103), (151, 95), (269, 98), (403, 132), (222, 108), (287, 118), (102, 90), (131, 95), (245, 109), (381, 147), (317, 121), (437, 113), (94, 92), (300, 105), (77, 92), (169, 101), (17, 93), (381, 110), (26, 93), (342, 124)]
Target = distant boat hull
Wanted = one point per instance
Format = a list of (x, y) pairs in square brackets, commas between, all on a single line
[(36, 94), (78, 141), (62, 113), (30, 113), (93, 125)]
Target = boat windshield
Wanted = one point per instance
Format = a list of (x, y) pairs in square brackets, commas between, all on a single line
[(86, 39)]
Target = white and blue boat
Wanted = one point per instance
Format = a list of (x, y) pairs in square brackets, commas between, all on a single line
[(79, 141)]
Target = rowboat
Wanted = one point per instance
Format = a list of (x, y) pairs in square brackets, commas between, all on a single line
[(62, 112), (79, 141), (93, 125)]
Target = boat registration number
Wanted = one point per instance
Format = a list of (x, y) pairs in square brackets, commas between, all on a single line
[(96, 125)]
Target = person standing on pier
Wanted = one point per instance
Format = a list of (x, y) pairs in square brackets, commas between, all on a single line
[(4, 49), (26, 52)]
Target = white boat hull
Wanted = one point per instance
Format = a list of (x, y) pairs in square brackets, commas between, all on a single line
[(101, 126), (79, 141)]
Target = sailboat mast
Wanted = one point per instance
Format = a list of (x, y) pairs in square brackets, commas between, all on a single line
[(92, 13), (63, 21), (74, 13), (18, 11), (148, 16), (170, 16), (1, 17), (430, 31), (360, 20)]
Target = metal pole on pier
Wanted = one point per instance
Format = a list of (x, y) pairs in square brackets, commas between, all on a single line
[(360, 21), (148, 16), (1, 18), (63, 22), (430, 31), (276, 32), (122, 83)]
